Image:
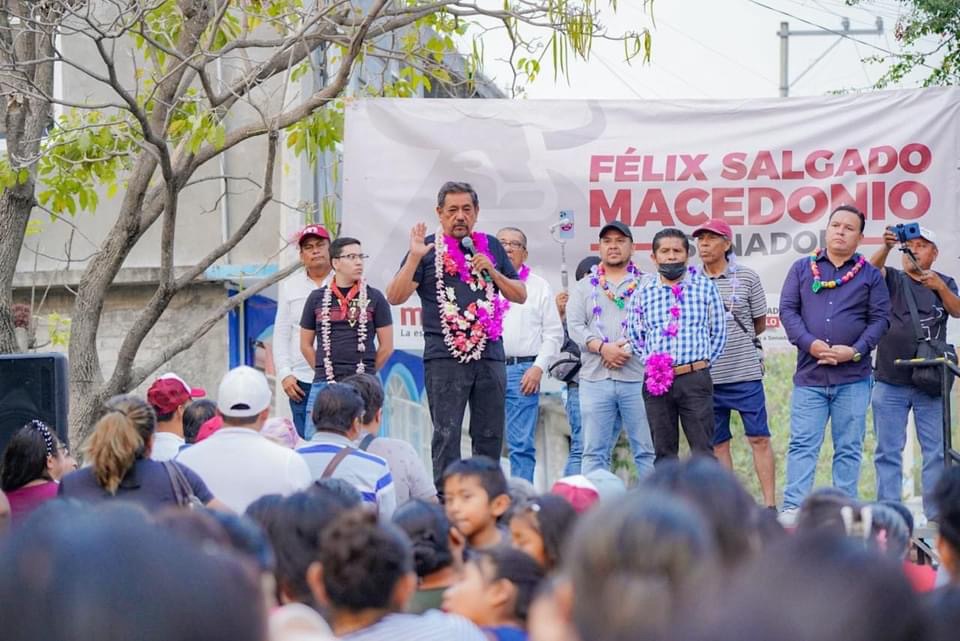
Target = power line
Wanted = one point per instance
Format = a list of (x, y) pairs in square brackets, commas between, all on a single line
[(833, 31)]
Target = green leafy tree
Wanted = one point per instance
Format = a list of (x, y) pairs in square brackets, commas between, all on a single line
[(182, 82), (922, 20)]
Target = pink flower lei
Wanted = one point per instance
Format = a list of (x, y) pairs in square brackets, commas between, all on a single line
[(362, 302), (466, 332), (659, 365)]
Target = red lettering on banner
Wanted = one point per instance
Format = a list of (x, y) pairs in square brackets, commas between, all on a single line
[(722, 206), (649, 175), (906, 158), (840, 196), (653, 208), (765, 166), (682, 206), (921, 195), (692, 169), (755, 198), (627, 167), (789, 173), (877, 166), (618, 210), (410, 316), (734, 166), (819, 204), (879, 201), (811, 164), (598, 167), (851, 161)]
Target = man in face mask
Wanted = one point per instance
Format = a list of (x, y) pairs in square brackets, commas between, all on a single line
[(679, 328)]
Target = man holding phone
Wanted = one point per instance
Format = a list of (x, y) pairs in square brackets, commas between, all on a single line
[(894, 394)]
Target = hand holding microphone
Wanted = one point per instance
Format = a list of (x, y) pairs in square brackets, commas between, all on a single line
[(480, 262)]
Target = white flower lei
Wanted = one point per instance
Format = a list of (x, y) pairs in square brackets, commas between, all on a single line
[(451, 318), (362, 301)]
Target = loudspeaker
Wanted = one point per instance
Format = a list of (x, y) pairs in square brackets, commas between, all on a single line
[(33, 386)]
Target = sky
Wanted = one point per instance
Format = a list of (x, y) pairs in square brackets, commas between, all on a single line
[(715, 49)]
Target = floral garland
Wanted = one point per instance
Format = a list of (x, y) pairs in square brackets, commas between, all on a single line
[(658, 374), (837, 282), (599, 282), (466, 332), (362, 303)]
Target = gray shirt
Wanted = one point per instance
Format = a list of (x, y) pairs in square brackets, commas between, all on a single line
[(583, 328)]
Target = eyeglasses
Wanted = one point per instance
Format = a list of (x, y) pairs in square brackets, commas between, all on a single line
[(514, 244), (353, 256)]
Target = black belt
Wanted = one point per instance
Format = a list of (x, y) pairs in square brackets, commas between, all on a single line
[(516, 360)]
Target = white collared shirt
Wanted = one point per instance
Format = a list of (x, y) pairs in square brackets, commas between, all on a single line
[(166, 446), (293, 293), (534, 328)]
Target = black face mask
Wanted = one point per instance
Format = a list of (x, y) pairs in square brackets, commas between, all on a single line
[(672, 271)]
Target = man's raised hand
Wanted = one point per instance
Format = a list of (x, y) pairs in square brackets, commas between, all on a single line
[(419, 248)]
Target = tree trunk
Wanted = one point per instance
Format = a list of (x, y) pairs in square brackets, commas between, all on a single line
[(15, 206)]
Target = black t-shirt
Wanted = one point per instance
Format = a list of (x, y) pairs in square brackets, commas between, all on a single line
[(425, 275), (344, 328), (147, 483), (900, 340)]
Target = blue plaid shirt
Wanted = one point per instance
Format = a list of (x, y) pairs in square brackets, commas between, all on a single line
[(702, 327)]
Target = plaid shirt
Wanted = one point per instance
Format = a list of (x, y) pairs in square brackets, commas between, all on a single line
[(702, 327)]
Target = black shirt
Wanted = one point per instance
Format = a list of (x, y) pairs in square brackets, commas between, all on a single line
[(343, 330), (147, 483), (426, 278), (900, 340)]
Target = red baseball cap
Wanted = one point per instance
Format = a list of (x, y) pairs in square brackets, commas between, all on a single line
[(716, 226), (170, 391), (313, 230)]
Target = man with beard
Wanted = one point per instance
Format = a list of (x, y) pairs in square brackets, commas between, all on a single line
[(679, 327), (894, 393), (835, 308), (463, 279), (293, 371), (611, 375)]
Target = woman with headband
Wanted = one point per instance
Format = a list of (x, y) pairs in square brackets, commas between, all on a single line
[(33, 463)]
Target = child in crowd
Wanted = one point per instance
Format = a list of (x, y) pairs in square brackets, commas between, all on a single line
[(540, 527), (365, 578), (475, 496), (437, 551), (495, 591), (947, 498)]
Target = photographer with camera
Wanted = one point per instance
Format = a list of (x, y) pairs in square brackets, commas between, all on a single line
[(920, 299)]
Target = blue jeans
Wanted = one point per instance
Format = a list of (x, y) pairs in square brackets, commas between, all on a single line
[(298, 409), (891, 405), (522, 411), (600, 403), (572, 405), (810, 407), (308, 429)]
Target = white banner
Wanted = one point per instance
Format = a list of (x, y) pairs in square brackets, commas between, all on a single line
[(773, 169)]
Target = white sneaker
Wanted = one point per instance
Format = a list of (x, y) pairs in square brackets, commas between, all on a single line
[(788, 516)]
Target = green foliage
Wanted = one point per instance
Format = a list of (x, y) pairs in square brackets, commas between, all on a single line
[(58, 330), (319, 132), (86, 149), (924, 19)]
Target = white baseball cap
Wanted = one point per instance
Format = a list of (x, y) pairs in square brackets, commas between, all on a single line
[(928, 234), (243, 392)]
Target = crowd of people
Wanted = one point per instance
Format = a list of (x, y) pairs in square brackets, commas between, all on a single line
[(197, 518)]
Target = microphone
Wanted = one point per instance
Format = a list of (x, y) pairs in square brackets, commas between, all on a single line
[(470, 249)]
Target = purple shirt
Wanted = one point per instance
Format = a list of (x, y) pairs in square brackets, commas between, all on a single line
[(856, 314)]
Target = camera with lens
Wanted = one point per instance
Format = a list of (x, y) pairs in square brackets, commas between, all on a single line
[(905, 232)]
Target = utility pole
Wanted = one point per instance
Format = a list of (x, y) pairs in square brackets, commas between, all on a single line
[(842, 33)]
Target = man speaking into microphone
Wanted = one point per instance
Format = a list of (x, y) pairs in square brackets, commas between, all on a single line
[(464, 280)]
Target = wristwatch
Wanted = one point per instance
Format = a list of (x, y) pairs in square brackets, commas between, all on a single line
[(856, 357)]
